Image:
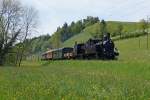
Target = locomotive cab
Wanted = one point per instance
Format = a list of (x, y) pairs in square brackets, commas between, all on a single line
[(93, 48), (79, 50)]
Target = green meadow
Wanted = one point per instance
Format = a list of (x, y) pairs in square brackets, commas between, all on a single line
[(127, 78)]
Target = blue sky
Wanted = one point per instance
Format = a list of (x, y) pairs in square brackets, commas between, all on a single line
[(53, 13)]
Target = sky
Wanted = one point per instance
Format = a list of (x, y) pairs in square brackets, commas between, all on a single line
[(54, 13)]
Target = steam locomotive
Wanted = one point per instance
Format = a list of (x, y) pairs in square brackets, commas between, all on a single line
[(92, 49)]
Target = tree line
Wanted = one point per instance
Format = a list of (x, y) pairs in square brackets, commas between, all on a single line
[(67, 31)]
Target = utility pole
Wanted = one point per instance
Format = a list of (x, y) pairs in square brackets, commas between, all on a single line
[(147, 30), (139, 42)]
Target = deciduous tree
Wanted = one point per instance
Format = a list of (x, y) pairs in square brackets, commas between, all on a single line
[(15, 24)]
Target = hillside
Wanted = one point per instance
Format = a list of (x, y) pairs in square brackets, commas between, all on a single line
[(132, 50), (129, 28), (82, 37), (42, 43)]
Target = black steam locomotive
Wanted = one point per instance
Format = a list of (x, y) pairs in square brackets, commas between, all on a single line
[(92, 49)]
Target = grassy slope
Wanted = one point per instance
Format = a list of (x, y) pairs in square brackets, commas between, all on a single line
[(131, 51), (80, 38), (126, 79), (86, 34)]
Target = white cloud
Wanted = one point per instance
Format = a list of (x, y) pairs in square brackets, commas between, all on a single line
[(54, 13)]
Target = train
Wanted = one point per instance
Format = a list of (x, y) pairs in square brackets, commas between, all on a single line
[(92, 49)]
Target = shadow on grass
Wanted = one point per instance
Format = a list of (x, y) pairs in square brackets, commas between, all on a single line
[(8, 65)]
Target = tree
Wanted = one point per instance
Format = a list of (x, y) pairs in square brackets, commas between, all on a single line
[(120, 29), (144, 28), (90, 21), (103, 28), (56, 40), (78, 26), (29, 24), (64, 32), (13, 25)]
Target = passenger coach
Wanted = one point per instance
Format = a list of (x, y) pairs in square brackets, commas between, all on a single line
[(57, 54)]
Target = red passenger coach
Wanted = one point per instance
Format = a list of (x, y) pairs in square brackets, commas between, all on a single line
[(47, 55)]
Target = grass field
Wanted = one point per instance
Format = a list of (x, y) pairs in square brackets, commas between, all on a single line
[(127, 78)]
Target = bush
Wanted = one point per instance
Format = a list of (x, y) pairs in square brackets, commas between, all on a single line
[(10, 59)]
